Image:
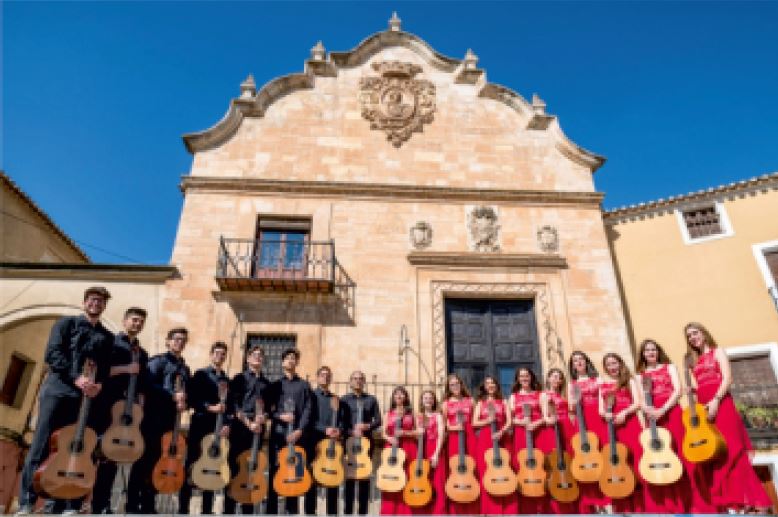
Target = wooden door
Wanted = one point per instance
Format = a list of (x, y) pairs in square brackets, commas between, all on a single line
[(491, 337)]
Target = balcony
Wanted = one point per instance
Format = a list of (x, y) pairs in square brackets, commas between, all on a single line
[(276, 265), (758, 405)]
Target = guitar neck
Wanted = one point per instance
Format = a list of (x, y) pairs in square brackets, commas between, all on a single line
[(131, 393), (581, 422), (176, 430), (462, 443), (651, 421), (495, 443), (690, 395), (83, 413), (255, 447), (398, 425), (612, 439)]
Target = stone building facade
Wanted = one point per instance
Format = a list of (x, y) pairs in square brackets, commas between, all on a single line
[(391, 210)]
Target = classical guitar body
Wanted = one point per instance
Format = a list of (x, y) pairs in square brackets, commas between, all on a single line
[(249, 486), (462, 485), (499, 478), (122, 442), (358, 464), (702, 441), (390, 476), (292, 478), (211, 470), (532, 475), (561, 484), (617, 480), (418, 490), (168, 474), (70, 472), (659, 465), (36, 478), (586, 465), (328, 466)]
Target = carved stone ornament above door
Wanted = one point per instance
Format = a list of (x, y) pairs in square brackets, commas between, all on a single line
[(395, 102)]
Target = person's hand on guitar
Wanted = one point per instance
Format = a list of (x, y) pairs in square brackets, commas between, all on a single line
[(522, 421), (225, 431), (713, 408), (132, 369), (434, 461), (551, 419), (497, 435), (332, 432), (180, 399), (286, 417), (619, 418), (88, 387), (392, 440), (360, 430), (455, 428), (294, 436), (216, 408), (531, 426)]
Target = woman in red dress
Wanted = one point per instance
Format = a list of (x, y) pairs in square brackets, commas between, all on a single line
[(584, 388), (392, 502), (732, 480), (620, 385), (556, 411), (685, 495), (457, 401), (490, 396), (431, 421), (526, 396)]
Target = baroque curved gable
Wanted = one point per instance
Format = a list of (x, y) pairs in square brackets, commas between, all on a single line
[(254, 103)]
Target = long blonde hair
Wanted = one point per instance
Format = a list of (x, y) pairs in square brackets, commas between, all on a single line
[(690, 350)]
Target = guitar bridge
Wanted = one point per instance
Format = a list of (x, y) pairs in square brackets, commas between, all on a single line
[(211, 472), (699, 442), (391, 478), (462, 487), (126, 443), (70, 474), (659, 465), (328, 471), (533, 481)]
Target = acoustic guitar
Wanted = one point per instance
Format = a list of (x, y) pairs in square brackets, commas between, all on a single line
[(702, 441), (617, 480), (69, 472), (328, 465), (122, 442), (587, 460), (561, 483), (211, 471), (168, 474), (659, 464), (418, 490), (358, 462), (390, 476), (292, 479), (499, 478), (249, 486), (532, 476), (462, 485)]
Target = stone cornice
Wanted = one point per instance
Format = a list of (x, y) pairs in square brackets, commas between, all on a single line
[(764, 183), (254, 104), (104, 272), (378, 190), (486, 260)]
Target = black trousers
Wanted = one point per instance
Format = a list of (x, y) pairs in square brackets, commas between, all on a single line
[(197, 432), (101, 493), (362, 487), (141, 493), (309, 501), (55, 410)]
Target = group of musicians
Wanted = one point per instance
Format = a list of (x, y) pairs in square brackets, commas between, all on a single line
[(297, 414)]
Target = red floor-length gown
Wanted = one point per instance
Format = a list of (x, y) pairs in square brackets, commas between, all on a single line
[(392, 502), (733, 482), (679, 497), (532, 399), (466, 406), (437, 506), (493, 505), (547, 442), (628, 434), (591, 496)]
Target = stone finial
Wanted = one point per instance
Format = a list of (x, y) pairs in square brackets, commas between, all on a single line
[(471, 60), (538, 105), (318, 52), (248, 87), (394, 22)]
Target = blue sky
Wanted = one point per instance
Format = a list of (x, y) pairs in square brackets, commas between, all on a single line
[(678, 96)]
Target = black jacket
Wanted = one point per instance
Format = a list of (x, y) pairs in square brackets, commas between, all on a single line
[(297, 392), (72, 341), (323, 413), (116, 387), (160, 409), (244, 390), (203, 391), (371, 414)]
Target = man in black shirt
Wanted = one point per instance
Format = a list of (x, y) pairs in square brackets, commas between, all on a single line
[(73, 341), (245, 389), (203, 396), (125, 347), (291, 406), (369, 422), (161, 404), (326, 424)]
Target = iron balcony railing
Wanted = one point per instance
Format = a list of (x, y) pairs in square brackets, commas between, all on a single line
[(286, 264), (758, 405)]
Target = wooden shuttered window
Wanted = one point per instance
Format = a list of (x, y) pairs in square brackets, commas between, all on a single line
[(14, 378), (771, 256), (702, 222)]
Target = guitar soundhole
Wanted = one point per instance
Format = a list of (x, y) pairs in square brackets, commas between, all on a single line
[(531, 463), (213, 451), (330, 454), (461, 469), (392, 461), (252, 466), (497, 462), (656, 445), (695, 421), (561, 465), (614, 459), (356, 450), (172, 450), (586, 447), (291, 460), (77, 446), (126, 420)]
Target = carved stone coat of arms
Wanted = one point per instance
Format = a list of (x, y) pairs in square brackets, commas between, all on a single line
[(395, 102)]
